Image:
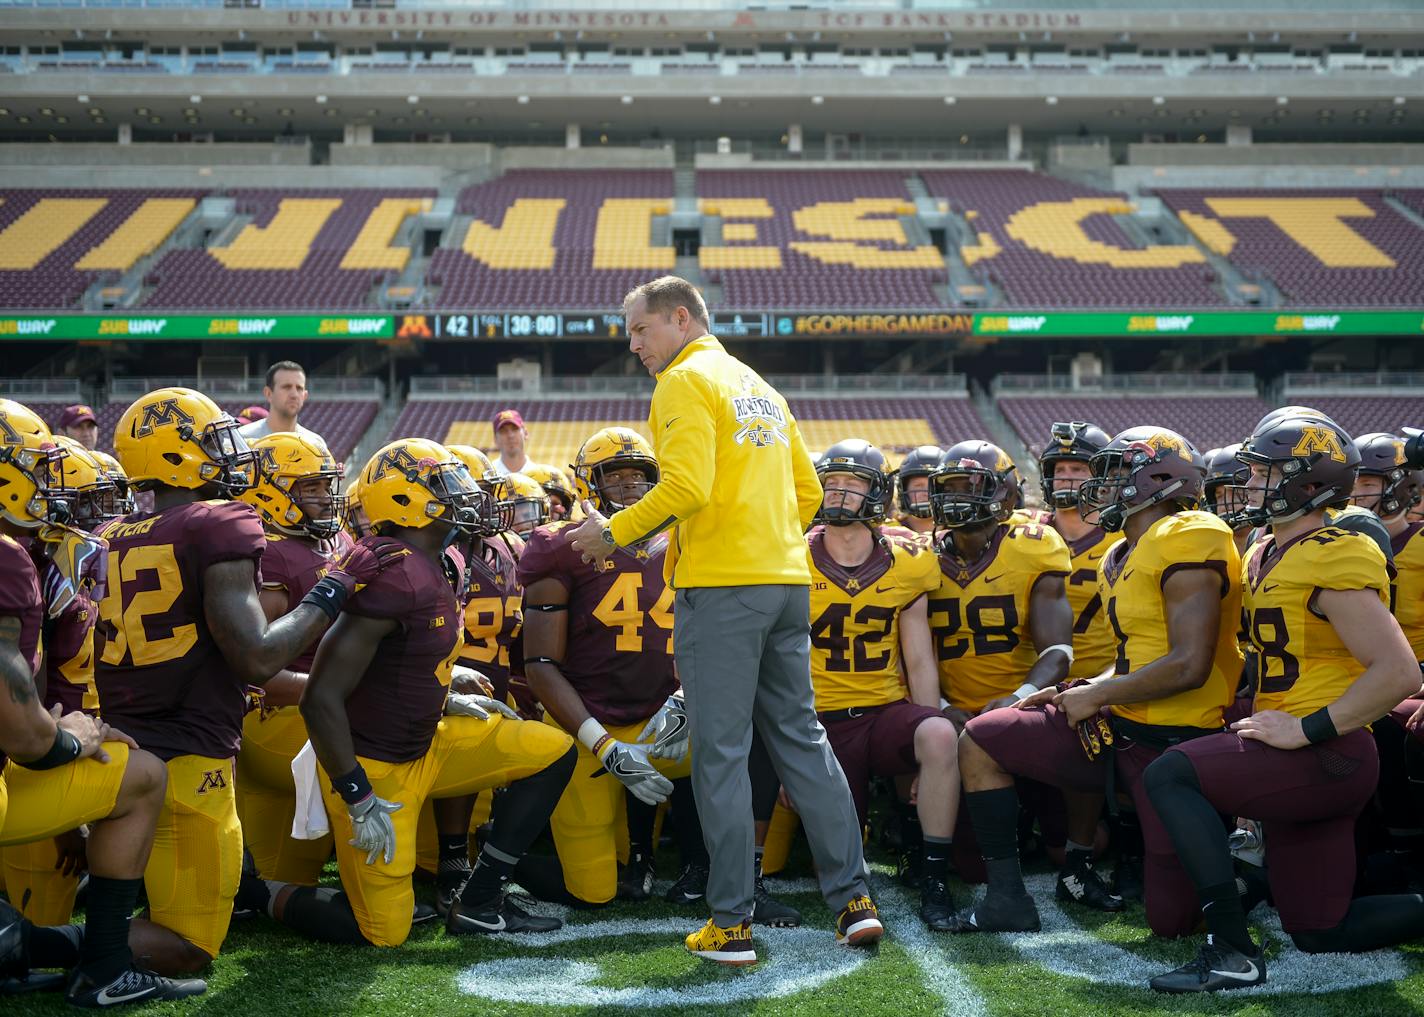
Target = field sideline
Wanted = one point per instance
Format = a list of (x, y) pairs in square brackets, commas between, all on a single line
[(628, 960)]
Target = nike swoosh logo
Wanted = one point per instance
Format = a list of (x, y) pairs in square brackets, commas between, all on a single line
[(498, 926), (104, 999), (1127, 573), (1239, 976), (990, 579), (1268, 589), (883, 589), (620, 769), (1094, 557), (671, 422)]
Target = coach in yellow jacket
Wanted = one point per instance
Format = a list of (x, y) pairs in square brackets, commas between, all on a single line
[(738, 489)]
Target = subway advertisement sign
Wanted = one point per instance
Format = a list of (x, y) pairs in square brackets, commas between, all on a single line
[(477, 326)]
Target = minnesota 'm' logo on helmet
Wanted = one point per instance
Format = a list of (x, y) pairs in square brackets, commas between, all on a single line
[(8, 434), (162, 413), (1165, 442), (399, 459), (1323, 440)]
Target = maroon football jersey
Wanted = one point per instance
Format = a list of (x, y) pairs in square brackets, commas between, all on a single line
[(494, 612), (396, 706), (618, 654), (293, 566), (20, 597), (68, 643), (161, 677)]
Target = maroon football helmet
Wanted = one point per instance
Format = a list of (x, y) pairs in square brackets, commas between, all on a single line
[(1382, 455), (993, 491), (1310, 463), (1141, 467)]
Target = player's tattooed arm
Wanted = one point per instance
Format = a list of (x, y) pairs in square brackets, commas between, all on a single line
[(255, 649), (26, 728), (341, 661), (545, 642)]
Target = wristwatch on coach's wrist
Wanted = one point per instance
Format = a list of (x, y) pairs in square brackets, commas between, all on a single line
[(608, 536)]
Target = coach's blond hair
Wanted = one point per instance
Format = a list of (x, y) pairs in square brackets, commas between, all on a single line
[(666, 294)]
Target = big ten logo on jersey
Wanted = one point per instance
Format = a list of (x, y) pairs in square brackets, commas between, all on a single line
[(1320, 439), (212, 780), (161, 413)]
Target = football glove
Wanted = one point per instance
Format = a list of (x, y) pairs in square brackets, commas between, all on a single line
[(669, 730), (629, 763), (1095, 734), (374, 832), (468, 680), (479, 707), (367, 558)]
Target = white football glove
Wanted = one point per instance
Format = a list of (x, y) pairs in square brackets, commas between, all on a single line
[(480, 707), (374, 832), (629, 763), (668, 730), (461, 676)]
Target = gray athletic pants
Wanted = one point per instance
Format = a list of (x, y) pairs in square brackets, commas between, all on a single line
[(744, 656)]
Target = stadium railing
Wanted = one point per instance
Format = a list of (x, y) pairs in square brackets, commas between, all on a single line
[(434, 389), (353, 389), (44, 390), (1406, 383), (1230, 383)]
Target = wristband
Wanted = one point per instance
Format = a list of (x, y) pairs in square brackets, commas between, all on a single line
[(1025, 690), (1065, 648), (329, 595), (594, 736), (354, 786), (1318, 727), (66, 749)]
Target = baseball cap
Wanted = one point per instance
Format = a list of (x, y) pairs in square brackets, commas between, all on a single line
[(252, 414), (508, 417), (77, 414)]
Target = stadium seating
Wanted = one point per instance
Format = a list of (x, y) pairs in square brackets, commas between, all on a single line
[(1208, 422), (323, 249), (557, 428), (1322, 248), (829, 255), (1363, 413), (341, 422), (54, 244), (1045, 242), (533, 239)]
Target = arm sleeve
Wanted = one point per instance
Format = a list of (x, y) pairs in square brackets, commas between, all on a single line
[(687, 460), (803, 472)]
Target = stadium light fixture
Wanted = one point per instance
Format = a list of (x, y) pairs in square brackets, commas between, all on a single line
[(950, 100), (817, 100), (47, 111), (83, 100), (626, 100), (321, 100), (1399, 100), (195, 99), (412, 99), (1282, 100), (1158, 100), (523, 100), (1052, 100), (4, 111), (715, 100)]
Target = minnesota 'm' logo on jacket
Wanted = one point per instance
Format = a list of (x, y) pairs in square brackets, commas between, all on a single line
[(1319, 439), (164, 412), (213, 780)]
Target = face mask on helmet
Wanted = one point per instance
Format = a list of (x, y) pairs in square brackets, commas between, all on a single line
[(232, 464), (967, 494), (1127, 480), (912, 480), (845, 500), (1298, 465), (37, 477), (619, 486), (471, 509)]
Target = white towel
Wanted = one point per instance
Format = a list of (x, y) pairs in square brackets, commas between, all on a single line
[(309, 822)]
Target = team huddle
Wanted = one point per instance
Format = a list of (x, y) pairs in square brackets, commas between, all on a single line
[(1178, 655)]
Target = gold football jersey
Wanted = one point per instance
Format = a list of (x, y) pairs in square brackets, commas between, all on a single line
[(1130, 583), (979, 614), (1094, 647), (1302, 663), (855, 620), (1406, 593)]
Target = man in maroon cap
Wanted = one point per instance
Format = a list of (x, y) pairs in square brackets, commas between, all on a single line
[(251, 414), (78, 422), (510, 437)]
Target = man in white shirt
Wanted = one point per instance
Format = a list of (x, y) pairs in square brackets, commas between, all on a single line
[(510, 438), (286, 394)]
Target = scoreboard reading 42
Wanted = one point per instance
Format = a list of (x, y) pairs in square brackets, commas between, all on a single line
[(532, 325)]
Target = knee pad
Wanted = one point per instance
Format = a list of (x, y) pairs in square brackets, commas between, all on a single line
[(1168, 769)]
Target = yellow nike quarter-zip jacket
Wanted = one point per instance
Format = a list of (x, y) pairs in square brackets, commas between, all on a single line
[(738, 484)]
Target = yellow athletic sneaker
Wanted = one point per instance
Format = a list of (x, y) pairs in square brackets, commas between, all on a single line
[(732, 946), (858, 923)]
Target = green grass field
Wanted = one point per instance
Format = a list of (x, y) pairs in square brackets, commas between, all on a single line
[(626, 960)]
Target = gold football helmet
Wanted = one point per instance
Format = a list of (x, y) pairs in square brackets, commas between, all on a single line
[(181, 438), (556, 484), (356, 523), (123, 494), (31, 469), (296, 488), (88, 489), (613, 448), (522, 502), (414, 481)]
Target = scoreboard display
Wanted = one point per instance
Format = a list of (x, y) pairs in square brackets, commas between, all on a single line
[(551, 325)]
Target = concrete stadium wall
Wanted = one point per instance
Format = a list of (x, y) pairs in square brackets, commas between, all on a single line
[(1306, 165), (112, 155)]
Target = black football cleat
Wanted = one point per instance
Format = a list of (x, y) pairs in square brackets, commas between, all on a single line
[(1081, 884), (936, 905), (499, 914), (635, 880), (909, 866), (1216, 968), (691, 885), (448, 884), (132, 985), (999, 913), (767, 910), (1127, 879)]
